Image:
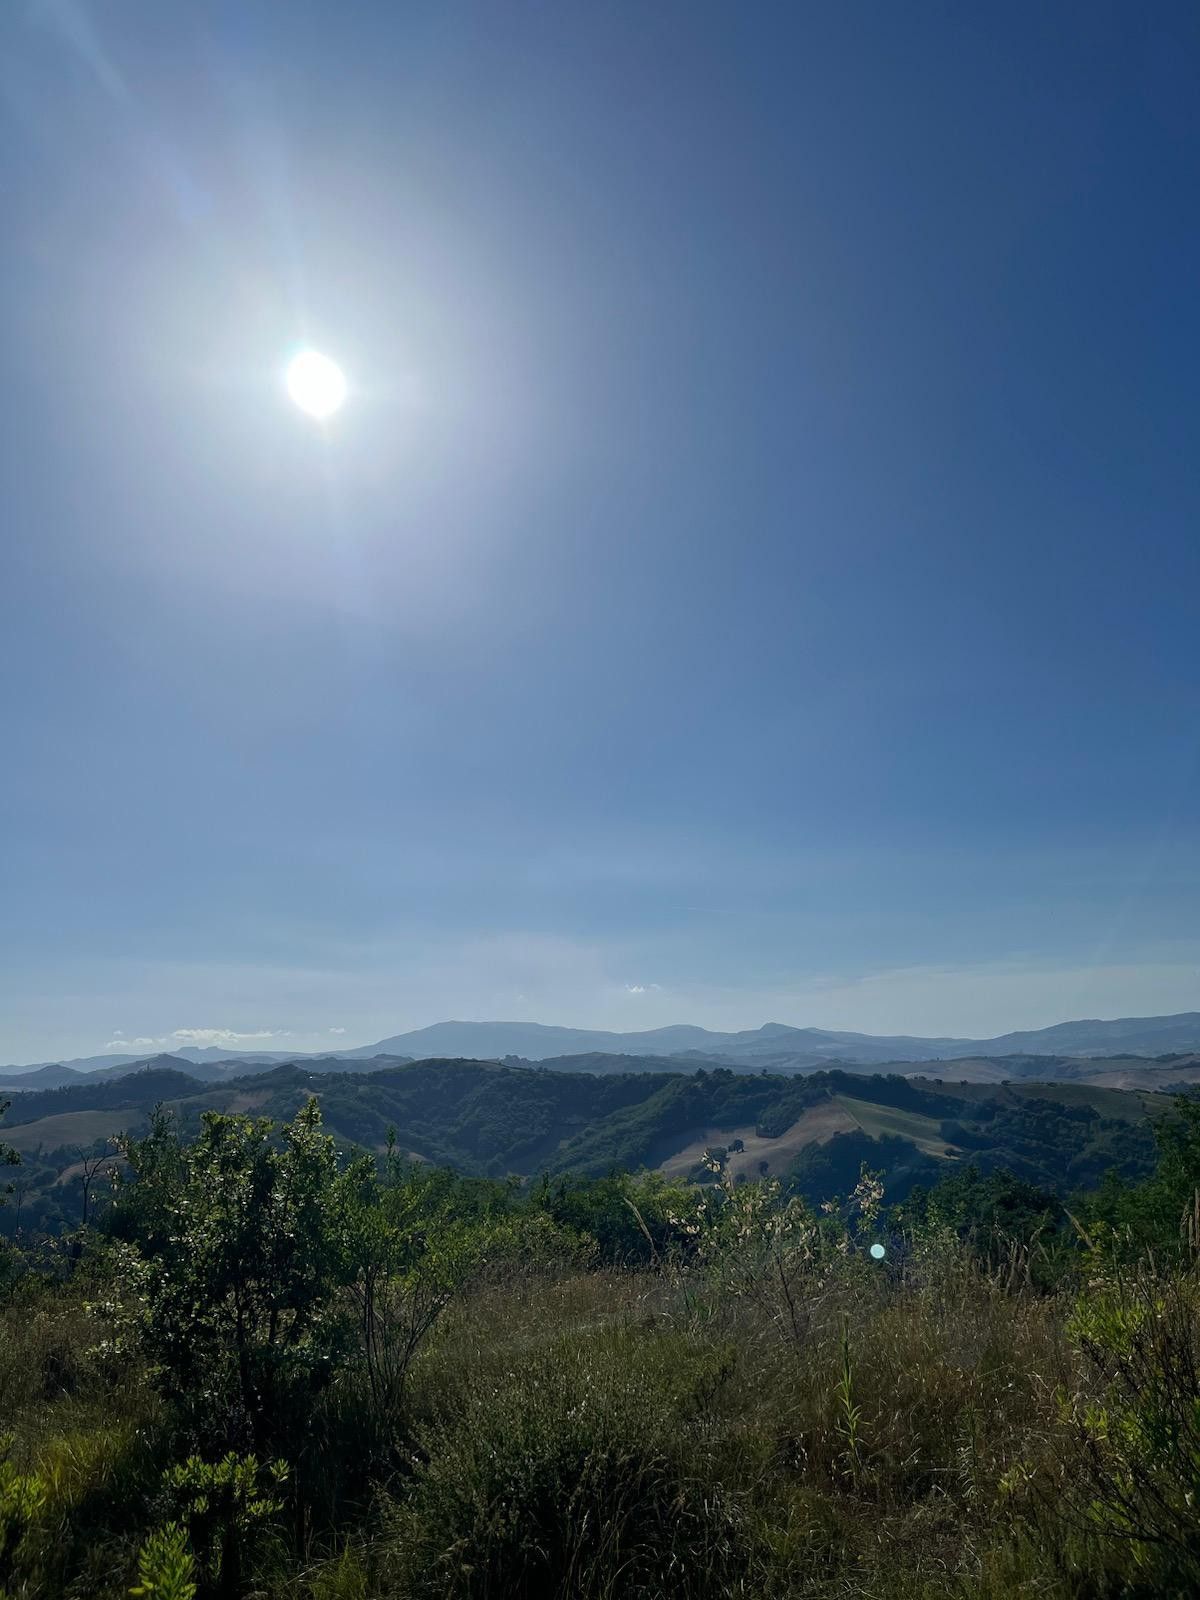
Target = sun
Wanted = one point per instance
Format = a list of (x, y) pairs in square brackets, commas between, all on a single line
[(316, 383)]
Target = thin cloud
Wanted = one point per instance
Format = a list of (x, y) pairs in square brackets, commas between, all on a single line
[(74, 27), (227, 1036), (201, 1038)]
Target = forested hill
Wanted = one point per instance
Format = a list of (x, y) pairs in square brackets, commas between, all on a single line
[(136, 1092), (488, 1118)]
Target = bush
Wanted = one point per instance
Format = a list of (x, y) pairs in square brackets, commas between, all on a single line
[(1140, 1433), (585, 1472), (166, 1569), (227, 1508), (237, 1256)]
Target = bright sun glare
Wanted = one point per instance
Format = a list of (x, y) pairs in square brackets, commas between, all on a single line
[(316, 383)]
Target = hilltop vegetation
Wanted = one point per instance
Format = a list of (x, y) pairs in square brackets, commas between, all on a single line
[(267, 1369)]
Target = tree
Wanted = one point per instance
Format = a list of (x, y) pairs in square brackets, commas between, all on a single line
[(8, 1156), (1162, 1212), (90, 1168), (409, 1249), (237, 1257)]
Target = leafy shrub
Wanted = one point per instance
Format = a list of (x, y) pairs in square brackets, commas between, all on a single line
[(166, 1570), (227, 1508), (1140, 1434), (238, 1257)]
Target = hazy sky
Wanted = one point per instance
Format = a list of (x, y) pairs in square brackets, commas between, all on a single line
[(755, 576)]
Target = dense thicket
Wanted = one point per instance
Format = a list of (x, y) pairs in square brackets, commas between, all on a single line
[(266, 1368)]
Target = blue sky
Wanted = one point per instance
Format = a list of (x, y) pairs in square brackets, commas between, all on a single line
[(755, 574)]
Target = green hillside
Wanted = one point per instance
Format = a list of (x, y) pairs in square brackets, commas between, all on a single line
[(489, 1119)]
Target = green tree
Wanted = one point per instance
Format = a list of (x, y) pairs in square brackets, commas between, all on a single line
[(237, 1259), (8, 1156), (412, 1241), (1163, 1211)]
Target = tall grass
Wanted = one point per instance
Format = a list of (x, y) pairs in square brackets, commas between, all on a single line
[(613, 1433)]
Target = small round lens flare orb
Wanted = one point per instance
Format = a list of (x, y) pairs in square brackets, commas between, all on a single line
[(877, 1252), (316, 384)]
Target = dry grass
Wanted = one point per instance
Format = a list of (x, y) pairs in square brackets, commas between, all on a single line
[(764, 1155), (69, 1128), (960, 1435)]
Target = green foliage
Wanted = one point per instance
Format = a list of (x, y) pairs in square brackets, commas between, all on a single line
[(1012, 1227), (988, 1207), (763, 1246), (8, 1156), (22, 1500), (344, 1578), (491, 1121), (227, 1508), (827, 1170), (166, 1569), (1162, 1212), (248, 1245), (408, 1250), (1140, 1429), (632, 1220)]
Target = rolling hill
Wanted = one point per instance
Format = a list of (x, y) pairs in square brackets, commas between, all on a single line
[(494, 1119)]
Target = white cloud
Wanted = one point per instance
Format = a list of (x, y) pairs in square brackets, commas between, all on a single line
[(225, 1038), (643, 988), (337, 1030)]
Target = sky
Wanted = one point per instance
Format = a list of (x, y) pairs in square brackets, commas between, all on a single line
[(754, 576)]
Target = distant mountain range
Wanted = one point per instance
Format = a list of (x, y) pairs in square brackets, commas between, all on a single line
[(194, 1054), (777, 1042), (775, 1046), (64, 1074)]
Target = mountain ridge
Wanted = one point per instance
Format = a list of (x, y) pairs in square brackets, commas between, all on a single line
[(777, 1045), (537, 1041)]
